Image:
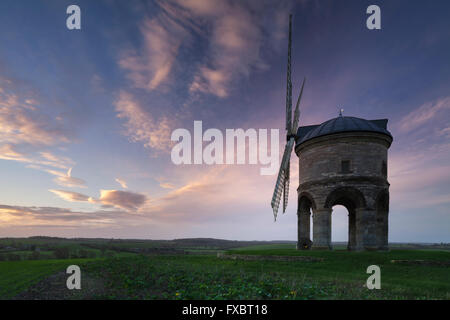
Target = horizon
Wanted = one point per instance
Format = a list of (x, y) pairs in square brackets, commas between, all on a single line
[(222, 239), (86, 116)]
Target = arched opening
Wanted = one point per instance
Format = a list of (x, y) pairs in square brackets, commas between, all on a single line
[(305, 206), (351, 199), (339, 227)]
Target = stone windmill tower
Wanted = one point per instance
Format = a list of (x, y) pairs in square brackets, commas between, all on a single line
[(342, 161)]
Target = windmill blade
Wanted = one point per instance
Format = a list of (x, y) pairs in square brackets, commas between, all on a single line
[(289, 82), (279, 186), (286, 186), (297, 111), (277, 193)]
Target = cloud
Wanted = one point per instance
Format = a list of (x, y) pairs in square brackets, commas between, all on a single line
[(141, 126), (214, 193), (235, 32), (166, 185), (122, 183), (235, 48), (14, 216), (424, 114), (27, 133), (71, 196), (129, 201), (151, 67), (66, 179), (11, 152), (22, 123)]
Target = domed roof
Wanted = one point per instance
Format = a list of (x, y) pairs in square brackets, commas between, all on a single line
[(341, 124)]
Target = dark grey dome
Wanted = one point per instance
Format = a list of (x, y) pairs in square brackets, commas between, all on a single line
[(341, 124)]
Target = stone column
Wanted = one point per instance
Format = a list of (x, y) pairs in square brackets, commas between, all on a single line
[(351, 230), (303, 241), (382, 230), (322, 229), (366, 226)]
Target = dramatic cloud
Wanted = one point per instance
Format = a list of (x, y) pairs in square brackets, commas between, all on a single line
[(141, 126), (235, 33)]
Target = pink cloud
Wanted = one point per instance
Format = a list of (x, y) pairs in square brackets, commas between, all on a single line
[(151, 68), (22, 123), (126, 200), (424, 114), (141, 126)]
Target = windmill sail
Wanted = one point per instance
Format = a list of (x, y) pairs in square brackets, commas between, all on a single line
[(286, 186), (297, 110), (282, 184), (289, 81), (279, 186)]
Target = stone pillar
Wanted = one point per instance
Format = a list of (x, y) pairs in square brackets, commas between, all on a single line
[(366, 226), (382, 230), (351, 230), (322, 229), (303, 239)]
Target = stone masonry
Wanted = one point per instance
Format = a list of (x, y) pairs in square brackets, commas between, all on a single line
[(349, 168)]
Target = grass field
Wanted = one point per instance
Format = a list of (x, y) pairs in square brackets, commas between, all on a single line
[(341, 275), (16, 276)]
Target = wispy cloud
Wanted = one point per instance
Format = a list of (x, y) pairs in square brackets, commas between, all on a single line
[(70, 196), (11, 216), (126, 200), (167, 185), (65, 179), (150, 66), (22, 123), (11, 152), (235, 33), (141, 126), (215, 193), (122, 183), (425, 113)]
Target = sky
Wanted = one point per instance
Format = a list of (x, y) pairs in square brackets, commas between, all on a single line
[(86, 116)]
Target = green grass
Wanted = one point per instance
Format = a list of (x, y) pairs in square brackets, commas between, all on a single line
[(341, 275), (413, 281), (16, 276)]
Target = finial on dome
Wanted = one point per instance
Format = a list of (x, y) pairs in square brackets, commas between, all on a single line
[(341, 112)]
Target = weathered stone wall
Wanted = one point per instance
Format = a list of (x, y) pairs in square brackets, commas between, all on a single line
[(323, 184)]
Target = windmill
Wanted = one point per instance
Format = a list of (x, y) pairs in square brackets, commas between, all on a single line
[(282, 184)]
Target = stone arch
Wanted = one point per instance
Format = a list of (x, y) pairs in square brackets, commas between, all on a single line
[(347, 197), (352, 199), (382, 217), (305, 198), (305, 204)]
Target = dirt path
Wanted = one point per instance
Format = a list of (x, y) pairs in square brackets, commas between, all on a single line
[(54, 288)]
